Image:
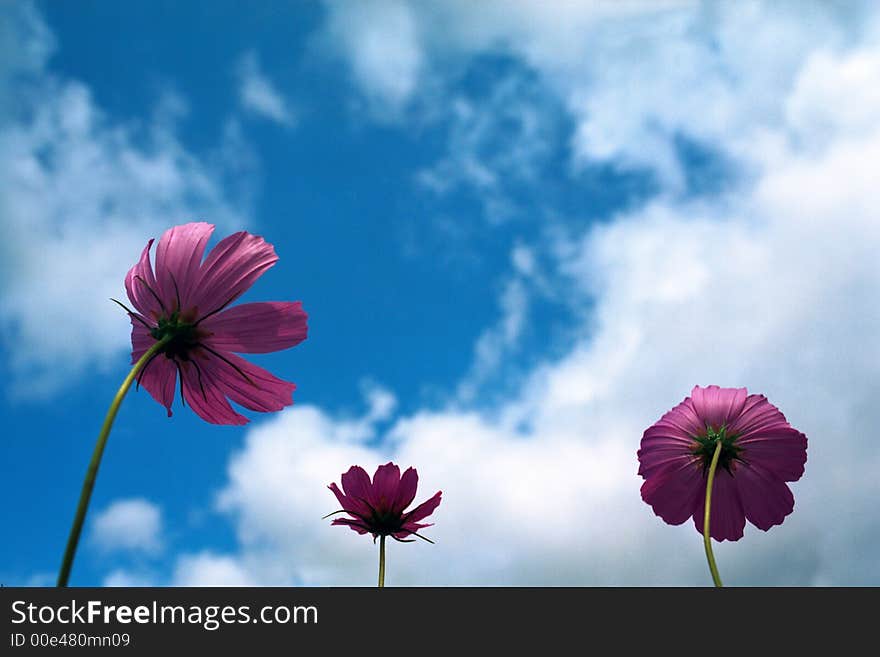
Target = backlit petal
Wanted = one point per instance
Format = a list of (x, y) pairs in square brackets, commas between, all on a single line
[(178, 256), (257, 328), (717, 406), (727, 519), (245, 383), (765, 499), (140, 285), (230, 269), (424, 509), (203, 394)]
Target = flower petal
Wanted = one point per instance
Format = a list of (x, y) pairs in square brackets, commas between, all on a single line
[(202, 392), (357, 486), (159, 375), (423, 510), (782, 451), (141, 340), (661, 447), (386, 480), (356, 525), (245, 383), (230, 269), (139, 281), (406, 491), (673, 491), (160, 380), (757, 414), (684, 419), (178, 256), (765, 499), (353, 507), (340, 496), (727, 517), (257, 328), (718, 406), (409, 528)]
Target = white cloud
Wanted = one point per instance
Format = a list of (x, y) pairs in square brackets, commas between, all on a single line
[(258, 95), (133, 525), (208, 569), (123, 578), (379, 40), (80, 194), (634, 76)]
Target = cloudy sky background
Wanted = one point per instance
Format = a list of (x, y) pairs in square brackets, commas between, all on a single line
[(522, 231)]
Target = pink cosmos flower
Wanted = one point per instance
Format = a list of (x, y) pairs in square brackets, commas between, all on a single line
[(377, 507), (187, 300), (760, 451)]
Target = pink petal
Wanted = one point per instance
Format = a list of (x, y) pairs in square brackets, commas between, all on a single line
[(178, 256), (673, 491), (141, 340), (718, 406), (661, 447), (765, 499), (385, 483), (356, 525), (257, 328), (684, 419), (230, 269), (160, 380), (423, 510), (349, 505), (757, 414), (411, 528), (357, 486), (139, 281), (260, 391), (406, 491), (202, 393), (781, 450), (340, 496), (728, 518), (160, 375)]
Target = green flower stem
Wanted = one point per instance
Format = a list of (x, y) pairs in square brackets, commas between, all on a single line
[(92, 472), (382, 561), (707, 541)]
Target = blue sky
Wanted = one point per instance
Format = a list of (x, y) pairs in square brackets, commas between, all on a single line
[(521, 233)]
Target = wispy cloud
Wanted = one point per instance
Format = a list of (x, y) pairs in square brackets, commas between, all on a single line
[(258, 95)]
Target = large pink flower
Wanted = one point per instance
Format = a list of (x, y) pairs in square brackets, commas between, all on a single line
[(760, 451), (377, 507), (187, 300)]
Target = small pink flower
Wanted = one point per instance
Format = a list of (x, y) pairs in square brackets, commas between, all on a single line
[(760, 451), (188, 299), (377, 507)]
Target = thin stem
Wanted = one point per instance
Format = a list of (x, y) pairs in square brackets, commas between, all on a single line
[(707, 541), (92, 472), (382, 561)]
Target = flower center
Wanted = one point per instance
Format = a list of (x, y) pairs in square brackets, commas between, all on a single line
[(704, 447), (184, 336), (385, 522)]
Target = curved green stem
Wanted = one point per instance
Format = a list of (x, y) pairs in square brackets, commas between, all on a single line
[(92, 472), (381, 561), (707, 541)]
